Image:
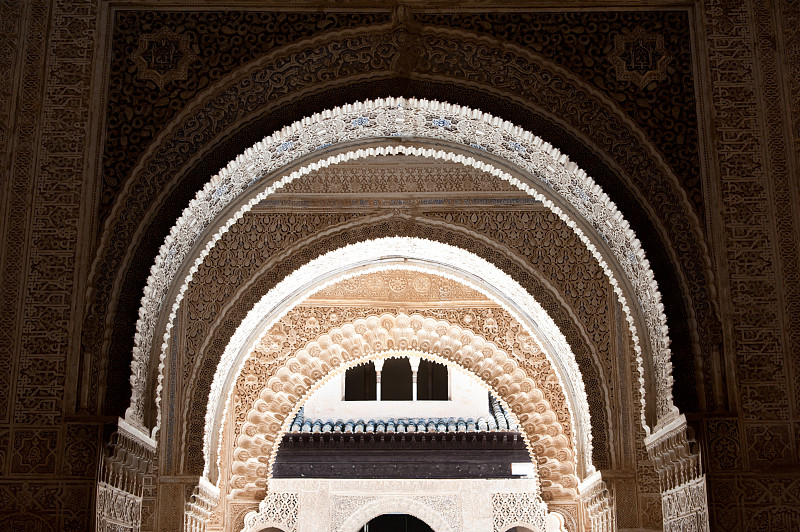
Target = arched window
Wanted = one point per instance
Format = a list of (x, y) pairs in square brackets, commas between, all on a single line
[(359, 383), (397, 379), (432, 382)]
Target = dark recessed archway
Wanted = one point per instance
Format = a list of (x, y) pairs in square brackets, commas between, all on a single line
[(396, 523)]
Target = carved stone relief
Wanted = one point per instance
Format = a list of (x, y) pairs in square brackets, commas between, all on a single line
[(163, 56), (125, 463), (779, 172), (321, 505), (760, 225), (660, 203), (46, 58), (11, 29), (254, 451), (223, 40), (746, 214), (452, 237), (640, 57), (665, 111)]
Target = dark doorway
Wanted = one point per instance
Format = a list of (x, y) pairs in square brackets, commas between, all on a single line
[(396, 523)]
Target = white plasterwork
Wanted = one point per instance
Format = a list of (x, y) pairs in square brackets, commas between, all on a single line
[(248, 469), (407, 119), (404, 253), (446, 505)]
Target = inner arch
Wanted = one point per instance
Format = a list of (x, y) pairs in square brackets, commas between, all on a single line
[(407, 254), (388, 336), (410, 118), (370, 511)]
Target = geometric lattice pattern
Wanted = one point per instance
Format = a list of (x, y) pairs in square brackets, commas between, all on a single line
[(513, 509), (276, 510)]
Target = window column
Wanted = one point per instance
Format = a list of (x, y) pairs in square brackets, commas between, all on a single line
[(378, 369), (414, 368)]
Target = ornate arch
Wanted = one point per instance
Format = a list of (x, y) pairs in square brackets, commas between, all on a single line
[(211, 117), (535, 156), (386, 505), (281, 263), (384, 336), (525, 353), (410, 254)]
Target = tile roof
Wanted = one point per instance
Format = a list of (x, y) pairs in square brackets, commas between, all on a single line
[(498, 421)]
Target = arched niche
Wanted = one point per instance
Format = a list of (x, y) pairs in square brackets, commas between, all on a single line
[(399, 505), (417, 524)]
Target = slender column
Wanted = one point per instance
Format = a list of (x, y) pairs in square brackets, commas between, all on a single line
[(414, 368), (449, 384), (378, 369)]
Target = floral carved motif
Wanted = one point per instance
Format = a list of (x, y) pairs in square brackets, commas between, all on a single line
[(510, 509), (640, 57), (399, 286), (276, 509), (163, 56)]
